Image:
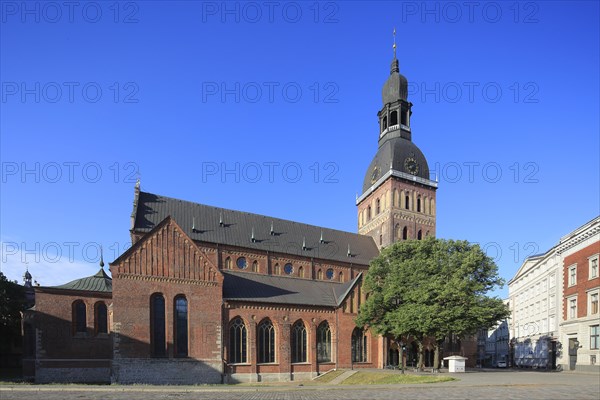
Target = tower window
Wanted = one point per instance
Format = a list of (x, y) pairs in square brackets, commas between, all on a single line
[(404, 118), (394, 118), (369, 213), (419, 204), (405, 233), (419, 235), (380, 240), (406, 202), (397, 231), (384, 124), (377, 207)]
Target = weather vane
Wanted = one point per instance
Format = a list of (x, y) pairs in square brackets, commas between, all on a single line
[(394, 46)]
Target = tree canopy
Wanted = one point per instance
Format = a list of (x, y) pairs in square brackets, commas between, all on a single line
[(429, 288)]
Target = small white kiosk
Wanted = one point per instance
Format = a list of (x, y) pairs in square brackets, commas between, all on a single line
[(456, 363)]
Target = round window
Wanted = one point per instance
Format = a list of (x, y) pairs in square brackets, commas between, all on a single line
[(288, 268), (241, 263), (329, 273)]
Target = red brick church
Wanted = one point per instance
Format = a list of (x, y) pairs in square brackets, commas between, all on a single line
[(210, 295)]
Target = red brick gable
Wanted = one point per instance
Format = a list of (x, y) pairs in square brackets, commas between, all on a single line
[(167, 252)]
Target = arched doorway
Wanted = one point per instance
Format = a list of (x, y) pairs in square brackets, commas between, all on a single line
[(393, 355)]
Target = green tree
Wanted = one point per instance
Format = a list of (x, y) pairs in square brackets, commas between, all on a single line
[(430, 288), (12, 302)]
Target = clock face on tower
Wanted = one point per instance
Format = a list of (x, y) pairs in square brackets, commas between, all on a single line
[(375, 175), (411, 165)]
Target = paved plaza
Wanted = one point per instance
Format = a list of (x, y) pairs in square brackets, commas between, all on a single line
[(471, 385)]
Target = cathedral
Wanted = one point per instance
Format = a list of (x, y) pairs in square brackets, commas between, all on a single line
[(211, 295)]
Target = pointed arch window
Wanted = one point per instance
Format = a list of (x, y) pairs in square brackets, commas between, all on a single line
[(394, 118), (298, 342), (228, 263), (301, 272), (341, 277), (181, 326), (255, 266), (238, 342), (405, 233), (359, 345), (266, 342), (100, 318), (319, 274), (157, 325), (324, 343), (419, 204), (277, 269), (79, 317), (407, 202)]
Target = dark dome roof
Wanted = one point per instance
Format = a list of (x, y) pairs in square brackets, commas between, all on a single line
[(396, 86), (394, 152)]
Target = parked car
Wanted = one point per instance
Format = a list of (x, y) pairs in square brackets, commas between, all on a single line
[(501, 364)]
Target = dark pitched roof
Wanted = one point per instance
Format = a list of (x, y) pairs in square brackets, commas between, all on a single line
[(243, 286), (100, 282), (237, 227)]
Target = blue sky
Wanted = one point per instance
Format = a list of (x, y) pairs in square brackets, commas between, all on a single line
[(284, 96)]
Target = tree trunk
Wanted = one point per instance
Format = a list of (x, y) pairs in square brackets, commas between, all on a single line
[(421, 356), (436, 356)]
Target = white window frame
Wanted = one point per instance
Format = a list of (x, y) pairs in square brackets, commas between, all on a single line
[(589, 302), (590, 262), (597, 344), (572, 282), (569, 300)]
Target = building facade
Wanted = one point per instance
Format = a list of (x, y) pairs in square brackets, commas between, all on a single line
[(580, 325), (534, 300), (209, 295), (554, 305)]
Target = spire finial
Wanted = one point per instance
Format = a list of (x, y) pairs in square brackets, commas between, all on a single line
[(394, 46), (395, 64), (101, 258)]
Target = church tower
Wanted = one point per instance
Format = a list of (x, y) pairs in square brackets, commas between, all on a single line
[(398, 198)]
